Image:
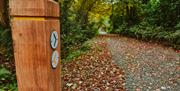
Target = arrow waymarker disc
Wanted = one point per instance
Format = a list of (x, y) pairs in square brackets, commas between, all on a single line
[(55, 59), (54, 40)]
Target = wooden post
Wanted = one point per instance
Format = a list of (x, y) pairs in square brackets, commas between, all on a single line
[(36, 38)]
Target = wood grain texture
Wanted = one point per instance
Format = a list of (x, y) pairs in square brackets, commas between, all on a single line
[(39, 8), (52, 9), (32, 51)]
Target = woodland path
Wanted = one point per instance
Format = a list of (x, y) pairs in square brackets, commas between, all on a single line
[(117, 63)]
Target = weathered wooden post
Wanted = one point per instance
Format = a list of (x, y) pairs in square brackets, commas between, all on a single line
[(36, 39)]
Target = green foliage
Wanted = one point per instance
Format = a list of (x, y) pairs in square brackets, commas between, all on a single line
[(178, 26), (126, 11), (160, 20), (163, 13), (104, 23), (74, 29), (121, 29), (4, 73), (74, 38), (85, 47), (7, 80), (147, 32), (6, 44), (169, 12)]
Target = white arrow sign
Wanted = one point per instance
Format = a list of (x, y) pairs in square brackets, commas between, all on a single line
[(54, 40)]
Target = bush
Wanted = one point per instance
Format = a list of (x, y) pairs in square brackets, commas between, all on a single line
[(85, 47), (160, 21), (147, 32), (6, 44), (163, 13), (72, 39), (7, 80)]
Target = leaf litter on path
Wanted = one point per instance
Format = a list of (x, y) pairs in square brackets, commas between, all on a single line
[(93, 71), (120, 64)]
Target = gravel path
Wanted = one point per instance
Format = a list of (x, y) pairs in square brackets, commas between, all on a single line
[(147, 66)]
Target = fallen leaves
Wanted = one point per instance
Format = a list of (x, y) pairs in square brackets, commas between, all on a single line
[(146, 66), (93, 71)]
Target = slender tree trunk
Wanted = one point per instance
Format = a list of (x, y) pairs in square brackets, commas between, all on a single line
[(87, 12), (4, 21)]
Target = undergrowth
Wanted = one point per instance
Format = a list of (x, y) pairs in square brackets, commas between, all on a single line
[(7, 80), (7, 74), (147, 32), (74, 54)]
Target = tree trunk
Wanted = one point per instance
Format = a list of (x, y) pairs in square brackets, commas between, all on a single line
[(4, 21)]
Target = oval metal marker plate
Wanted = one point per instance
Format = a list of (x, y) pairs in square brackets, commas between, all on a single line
[(55, 59), (54, 39)]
